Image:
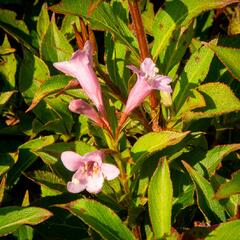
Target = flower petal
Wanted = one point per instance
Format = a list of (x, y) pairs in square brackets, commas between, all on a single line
[(134, 69), (140, 90), (148, 67), (81, 107), (110, 171), (95, 184), (71, 160), (161, 82), (80, 66), (96, 156), (76, 186)]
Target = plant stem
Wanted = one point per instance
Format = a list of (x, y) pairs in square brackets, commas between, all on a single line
[(144, 51)]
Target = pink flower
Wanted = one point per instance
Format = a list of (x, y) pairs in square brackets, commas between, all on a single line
[(147, 80), (89, 169), (81, 107), (80, 66)]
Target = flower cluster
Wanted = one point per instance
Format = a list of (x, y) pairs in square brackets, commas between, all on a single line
[(89, 169)]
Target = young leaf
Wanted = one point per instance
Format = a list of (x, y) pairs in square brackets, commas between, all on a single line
[(11, 218), (219, 100), (154, 142), (229, 188), (211, 208), (160, 195), (99, 217), (229, 57), (229, 230), (168, 20), (193, 74)]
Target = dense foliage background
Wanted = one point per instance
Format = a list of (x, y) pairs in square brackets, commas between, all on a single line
[(180, 154)]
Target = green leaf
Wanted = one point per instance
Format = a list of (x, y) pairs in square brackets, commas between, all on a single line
[(219, 100), (8, 68), (50, 181), (55, 47), (210, 208), (154, 142), (185, 199), (195, 71), (81, 8), (226, 230), (229, 188), (5, 97), (101, 17), (104, 18), (7, 160), (24, 232), (229, 57), (214, 157), (6, 50), (52, 85), (16, 28), (168, 20), (176, 49), (33, 73), (43, 22), (27, 156), (11, 218), (99, 217), (160, 195), (116, 63)]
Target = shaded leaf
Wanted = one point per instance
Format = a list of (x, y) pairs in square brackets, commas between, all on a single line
[(229, 188), (16, 28), (99, 217), (229, 57), (11, 218), (8, 68), (211, 208)]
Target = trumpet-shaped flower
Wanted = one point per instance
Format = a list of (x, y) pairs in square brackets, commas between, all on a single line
[(89, 169), (80, 66), (81, 107), (147, 80)]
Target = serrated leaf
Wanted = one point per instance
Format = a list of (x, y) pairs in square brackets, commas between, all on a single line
[(214, 157), (193, 74), (55, 47), (210, 207), (168, 20), (229, 57), (99, 217), (11, 218), (154, 142), (8, 68), (160, 195), (226, 230), (16, 28), (219, 100), (229, 188)]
